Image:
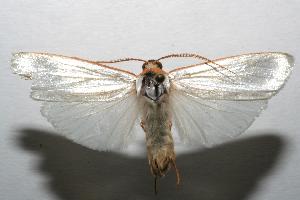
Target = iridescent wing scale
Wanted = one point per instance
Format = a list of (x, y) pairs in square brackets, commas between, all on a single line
[(85, 101), (211, 106)]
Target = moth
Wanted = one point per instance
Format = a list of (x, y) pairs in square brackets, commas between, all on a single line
[(103, 107)]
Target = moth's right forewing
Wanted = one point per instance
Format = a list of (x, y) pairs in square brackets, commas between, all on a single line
[(210, 107), (245, 77)]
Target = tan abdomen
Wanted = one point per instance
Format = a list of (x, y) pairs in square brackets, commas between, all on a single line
[(156, 122)]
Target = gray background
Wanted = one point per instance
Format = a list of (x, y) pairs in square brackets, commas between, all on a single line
[(38, 165)]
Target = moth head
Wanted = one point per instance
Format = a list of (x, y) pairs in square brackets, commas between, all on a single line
[(153, 82), (152, 64)]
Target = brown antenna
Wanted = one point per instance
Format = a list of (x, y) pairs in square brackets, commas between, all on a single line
[(121, 60), (193, 55)]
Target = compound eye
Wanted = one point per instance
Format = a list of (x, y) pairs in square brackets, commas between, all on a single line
[(160, 78)]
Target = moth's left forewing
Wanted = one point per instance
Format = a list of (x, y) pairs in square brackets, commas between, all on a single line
[(62, 78), (89, 103), (210, 106)]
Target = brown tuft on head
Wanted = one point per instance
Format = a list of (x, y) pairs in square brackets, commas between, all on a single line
[(152, 64)]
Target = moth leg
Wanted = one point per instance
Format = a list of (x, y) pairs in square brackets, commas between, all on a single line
[(177, 173), (155, 185), (142, 124), (170, 124)]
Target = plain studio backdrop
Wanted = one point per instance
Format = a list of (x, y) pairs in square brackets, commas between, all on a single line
[(36, 164)]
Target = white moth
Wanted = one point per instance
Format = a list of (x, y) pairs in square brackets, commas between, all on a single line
[(100, 106)]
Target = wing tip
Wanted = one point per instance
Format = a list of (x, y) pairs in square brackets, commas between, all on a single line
[(19, 66), (290, 59), (290, 62)]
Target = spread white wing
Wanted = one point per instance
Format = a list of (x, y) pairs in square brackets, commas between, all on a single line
[(87, 102), (212, 104)]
